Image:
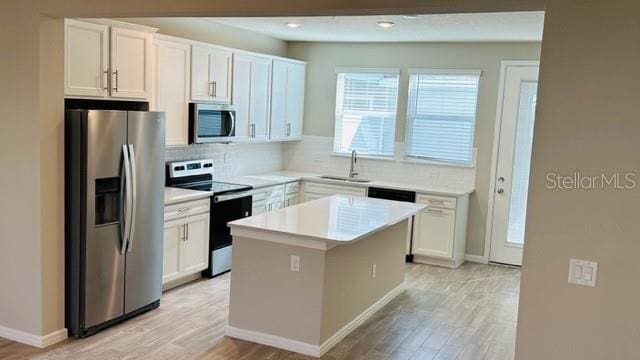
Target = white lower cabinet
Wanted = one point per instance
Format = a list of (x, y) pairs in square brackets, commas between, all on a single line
[(268, 199), (186, 241), (439, 232)]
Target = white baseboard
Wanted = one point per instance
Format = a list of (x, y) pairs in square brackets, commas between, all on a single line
[(476, 259), (274, 340), (31, 339), (312, 349), (360, 319)]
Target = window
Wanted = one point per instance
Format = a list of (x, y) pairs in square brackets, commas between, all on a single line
[(366, 103), (441, 115)]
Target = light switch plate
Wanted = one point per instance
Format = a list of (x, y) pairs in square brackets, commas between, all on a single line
[(583, 272), (295, 263)]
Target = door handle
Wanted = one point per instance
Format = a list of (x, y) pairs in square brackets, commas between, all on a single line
[(500, 179), (106, 80), (115, 88), (134, 196), (500, 191), (125, 184)]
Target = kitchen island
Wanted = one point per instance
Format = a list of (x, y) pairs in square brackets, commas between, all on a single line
[(305, 276)]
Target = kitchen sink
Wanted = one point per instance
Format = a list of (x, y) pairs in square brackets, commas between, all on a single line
[(344, 178)]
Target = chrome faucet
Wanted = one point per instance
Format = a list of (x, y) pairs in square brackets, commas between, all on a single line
[(354, 160)]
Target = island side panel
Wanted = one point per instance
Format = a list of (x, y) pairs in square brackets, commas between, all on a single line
[(349, 287), (267, 297)]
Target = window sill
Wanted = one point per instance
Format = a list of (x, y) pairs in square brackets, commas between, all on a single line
[(409, 160), (368, 157)]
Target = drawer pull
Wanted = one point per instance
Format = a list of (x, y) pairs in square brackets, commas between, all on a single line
[(184, 209)]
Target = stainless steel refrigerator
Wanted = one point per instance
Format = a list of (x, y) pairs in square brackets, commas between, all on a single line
[(114, 201)]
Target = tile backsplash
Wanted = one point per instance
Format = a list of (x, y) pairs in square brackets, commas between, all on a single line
[(314, 154), (232, 160)]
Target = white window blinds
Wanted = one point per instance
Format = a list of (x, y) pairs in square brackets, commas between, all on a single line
[(441, 115), (366, 102)]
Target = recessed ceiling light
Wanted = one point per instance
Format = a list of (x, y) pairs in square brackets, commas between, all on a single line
[(385, 24), (293, 25), (410, 17)]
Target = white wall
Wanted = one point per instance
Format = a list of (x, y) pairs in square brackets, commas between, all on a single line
[(320, 92)]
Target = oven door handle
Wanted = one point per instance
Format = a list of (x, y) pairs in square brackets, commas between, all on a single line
[(220, 198)]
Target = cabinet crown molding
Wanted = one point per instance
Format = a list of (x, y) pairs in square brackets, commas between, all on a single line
[(120, 24)]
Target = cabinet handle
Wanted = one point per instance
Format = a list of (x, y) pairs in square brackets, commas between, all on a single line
[(288, 129), (211, 89), (184, 232), (215, 89), (252, 130), (186, 238), (115, 88), (106, 80)]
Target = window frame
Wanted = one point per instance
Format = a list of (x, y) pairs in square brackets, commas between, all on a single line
[(357, 70), (408, 129)]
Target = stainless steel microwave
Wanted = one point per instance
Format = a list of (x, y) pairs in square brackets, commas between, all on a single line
[(211, 123)]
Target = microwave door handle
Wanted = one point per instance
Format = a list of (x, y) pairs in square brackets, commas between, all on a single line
[(233, 123), (134, 196), (125, 188)]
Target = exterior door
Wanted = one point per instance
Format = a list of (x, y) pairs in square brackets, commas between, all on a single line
[(144, 254), (104, 268), (519, 84)]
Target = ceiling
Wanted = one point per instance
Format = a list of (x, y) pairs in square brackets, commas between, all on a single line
[(514, 26)]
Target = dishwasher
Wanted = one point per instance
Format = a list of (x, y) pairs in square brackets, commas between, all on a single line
[(397, 195)]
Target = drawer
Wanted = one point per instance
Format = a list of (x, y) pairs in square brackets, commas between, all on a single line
[(268, 192), (327, 189), (437, 201), (259, 207), (291, 188), (291, 199), (176, 211)]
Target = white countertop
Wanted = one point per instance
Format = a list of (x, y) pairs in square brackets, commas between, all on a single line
[(336, 219), (281, 177), (176, 195)]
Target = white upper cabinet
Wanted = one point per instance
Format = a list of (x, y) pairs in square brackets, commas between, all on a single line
[(107, 61), (252, 95), (86, 56), (211, 74), (171, 72), (287, 101), (130, 59)]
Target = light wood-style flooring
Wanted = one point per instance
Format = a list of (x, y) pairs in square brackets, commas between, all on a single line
[(467, 313)]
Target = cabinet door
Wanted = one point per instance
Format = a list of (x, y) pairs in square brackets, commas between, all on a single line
[(130, 59), (279, 100), (174, 232), (260, 97), (201, 63), (242, 94), (194, 254), (221, 75), (86, 59), (171, 95), (434, 232), (295, 100)]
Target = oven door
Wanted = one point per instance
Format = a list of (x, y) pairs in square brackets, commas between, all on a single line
[(227, 208), (211, 123)]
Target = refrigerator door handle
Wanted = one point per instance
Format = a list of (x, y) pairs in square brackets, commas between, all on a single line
[(134, 195), (125, 224)]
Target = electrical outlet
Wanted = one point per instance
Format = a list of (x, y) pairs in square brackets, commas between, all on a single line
[(373, 271), (583, 272), (295, 263)]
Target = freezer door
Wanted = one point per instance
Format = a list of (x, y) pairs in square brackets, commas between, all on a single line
[(106, 132), (144, 253)]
